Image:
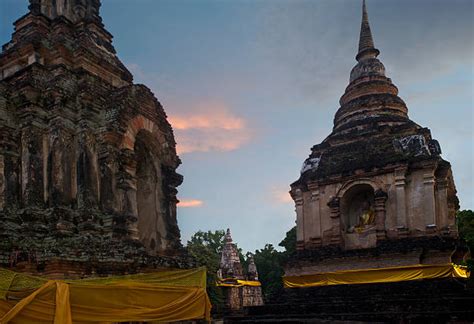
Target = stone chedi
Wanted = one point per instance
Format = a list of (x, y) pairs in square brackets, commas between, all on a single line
[(241, 290), (87, 157), (376, 183), (230, 266)]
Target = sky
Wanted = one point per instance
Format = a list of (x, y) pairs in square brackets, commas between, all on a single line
[(250, 85)]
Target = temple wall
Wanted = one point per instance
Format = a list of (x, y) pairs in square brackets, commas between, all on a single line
[(71, 164), (69, 115), (326, 223), (236, 298), (391, 203), (252, 296), (416, 197), (233, 298), (416, 204), (342, 264)]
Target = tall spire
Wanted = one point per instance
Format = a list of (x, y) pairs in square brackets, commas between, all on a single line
[(366, 42)]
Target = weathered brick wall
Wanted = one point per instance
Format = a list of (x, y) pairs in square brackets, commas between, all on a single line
[(70, 123)]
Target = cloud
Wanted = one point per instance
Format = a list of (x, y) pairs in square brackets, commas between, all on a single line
[(220, 120), (280, 195), (209, 126), (206, 126), (210, 140), (190, 203)]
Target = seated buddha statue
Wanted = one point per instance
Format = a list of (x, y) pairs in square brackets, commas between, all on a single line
[(366, 218)]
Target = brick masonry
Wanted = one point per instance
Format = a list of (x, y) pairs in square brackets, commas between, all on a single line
[(87, 158)]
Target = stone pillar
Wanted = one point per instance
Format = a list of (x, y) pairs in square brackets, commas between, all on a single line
[(380, 213), (298, 198), (334, 205), (233, 298), (108, 171), (307, 220), (442, 203), (11, 173), (130, 208), (400, 177), (61, 167), (32, 168), (87, 173), (429, 200), (171, 180), (128, 186), (315, 237), (2, 182)]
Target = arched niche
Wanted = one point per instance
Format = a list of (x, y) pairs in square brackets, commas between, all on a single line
[(358, 207), (146, 185), (150, 197)]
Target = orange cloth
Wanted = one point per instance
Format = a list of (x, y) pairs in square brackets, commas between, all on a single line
[(382, 275), (163, 296), (237, 283)]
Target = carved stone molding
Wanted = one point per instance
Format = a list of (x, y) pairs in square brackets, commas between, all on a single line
[(335, 214), (380, 198)]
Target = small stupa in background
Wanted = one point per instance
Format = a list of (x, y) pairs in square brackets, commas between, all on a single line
[(240, 290)]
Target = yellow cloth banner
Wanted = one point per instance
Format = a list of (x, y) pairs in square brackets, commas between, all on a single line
[(382, 275), (164, 296), (237, 283)]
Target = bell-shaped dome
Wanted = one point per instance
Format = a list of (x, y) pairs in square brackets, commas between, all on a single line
[(367, 67), (370, 99)]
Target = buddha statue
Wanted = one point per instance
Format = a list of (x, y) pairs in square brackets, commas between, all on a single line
[(366, 218)]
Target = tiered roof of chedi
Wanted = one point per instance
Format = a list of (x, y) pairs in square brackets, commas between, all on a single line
[(371, 128), (377, 182), (87, 157)]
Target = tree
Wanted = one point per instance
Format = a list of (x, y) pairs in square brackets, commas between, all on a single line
[(289, 242), (270, 264), (270, 272), (206, 248), (465, 220)]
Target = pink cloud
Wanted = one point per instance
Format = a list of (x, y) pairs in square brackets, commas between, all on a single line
[(281, 195), (209, 127), (189, 203), (219, 119)]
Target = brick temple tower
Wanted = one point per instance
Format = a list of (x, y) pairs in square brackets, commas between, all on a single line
[(87, 157), (376, 186), (240, 289)]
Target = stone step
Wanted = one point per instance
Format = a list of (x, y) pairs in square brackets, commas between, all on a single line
[(424, 301), (354, 307), (381, 317)]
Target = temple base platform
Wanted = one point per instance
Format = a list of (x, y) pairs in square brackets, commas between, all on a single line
[(447, 300)]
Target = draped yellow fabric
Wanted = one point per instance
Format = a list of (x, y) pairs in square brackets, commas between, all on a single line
[(167, 296), (237, 283), (382, 275)]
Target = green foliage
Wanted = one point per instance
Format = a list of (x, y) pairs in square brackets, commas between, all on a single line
[(465, 220), (206, 247), (270, 271), (289, 242), (270, 264)]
